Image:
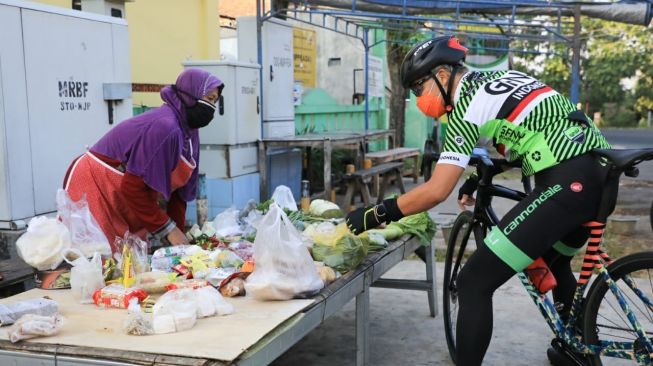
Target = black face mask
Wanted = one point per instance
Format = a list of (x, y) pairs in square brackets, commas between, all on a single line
[(200, 114)]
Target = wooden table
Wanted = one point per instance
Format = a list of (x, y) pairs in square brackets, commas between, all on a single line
[(397, 154), (354, 284), (326, 141)]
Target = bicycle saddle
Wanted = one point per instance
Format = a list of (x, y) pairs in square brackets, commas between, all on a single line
[(622, 159)]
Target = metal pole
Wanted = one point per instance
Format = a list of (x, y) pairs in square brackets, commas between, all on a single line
[(575, 61), (367, 71)]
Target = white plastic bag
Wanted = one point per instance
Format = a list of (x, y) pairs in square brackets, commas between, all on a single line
[(175, 311), (85, 233), (226, 223), (30, 326), (284, 268), (85, 276), (210, 302), (283, 197), (10, 313), (41, 245)]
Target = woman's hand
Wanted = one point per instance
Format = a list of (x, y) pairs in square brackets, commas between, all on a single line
[(177, 237)]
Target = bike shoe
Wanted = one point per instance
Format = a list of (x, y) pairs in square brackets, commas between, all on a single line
[(559, 354)]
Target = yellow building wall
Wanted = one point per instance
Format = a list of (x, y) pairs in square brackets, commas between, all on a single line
[(163, 34)]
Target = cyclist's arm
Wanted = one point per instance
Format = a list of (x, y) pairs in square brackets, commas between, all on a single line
[(433, 192)]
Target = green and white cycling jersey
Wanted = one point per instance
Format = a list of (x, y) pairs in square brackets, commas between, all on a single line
[(521, 116)]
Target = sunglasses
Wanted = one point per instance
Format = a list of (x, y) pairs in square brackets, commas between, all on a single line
[(418, 87)]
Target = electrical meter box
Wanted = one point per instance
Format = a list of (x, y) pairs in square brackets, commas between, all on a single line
[(62, 77), (278, 67), (238, 120)]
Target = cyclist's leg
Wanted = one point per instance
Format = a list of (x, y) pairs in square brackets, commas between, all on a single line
[(559, 261), (555, 208)]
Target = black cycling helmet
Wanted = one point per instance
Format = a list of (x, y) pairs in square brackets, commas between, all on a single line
[(425, 56)]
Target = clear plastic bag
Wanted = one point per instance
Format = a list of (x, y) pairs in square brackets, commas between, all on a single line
[(10, 313), (283, 197), (43, 242), (284, 268), (175, 311), (86, 276), (31, 326), (226, 223), (85, 233), (139, 249)]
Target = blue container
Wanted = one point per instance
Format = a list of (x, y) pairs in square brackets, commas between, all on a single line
[(223, 193), (285, 168)]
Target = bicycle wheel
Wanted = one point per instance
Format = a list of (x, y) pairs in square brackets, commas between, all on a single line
[(651, 216), (454, 261), (603, 318)]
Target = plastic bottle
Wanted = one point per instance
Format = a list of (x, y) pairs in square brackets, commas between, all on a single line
[(541, 276), (305, 201)]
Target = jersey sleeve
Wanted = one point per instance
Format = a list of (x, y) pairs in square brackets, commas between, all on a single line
[(459, 141)]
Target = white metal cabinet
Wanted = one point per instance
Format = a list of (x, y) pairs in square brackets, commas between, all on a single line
[(241, 121), (278, 69), (16, 194), (53, 65)]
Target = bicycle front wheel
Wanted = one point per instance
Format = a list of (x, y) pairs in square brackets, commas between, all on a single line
[(457, 254), (605, 321)]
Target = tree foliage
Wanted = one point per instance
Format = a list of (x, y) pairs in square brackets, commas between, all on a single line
[(616, 70)]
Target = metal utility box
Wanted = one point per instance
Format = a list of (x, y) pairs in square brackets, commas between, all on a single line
[(241, 119), (54, 64), (227, 161), (278, 66)]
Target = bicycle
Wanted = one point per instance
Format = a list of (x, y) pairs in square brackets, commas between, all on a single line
[(597, 326)]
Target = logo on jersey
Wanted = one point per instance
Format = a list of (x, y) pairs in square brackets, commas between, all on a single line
[(518, 84), (511, 135), (536, 156), (459, 140), (576, 187), (575, 134), (447, 157)]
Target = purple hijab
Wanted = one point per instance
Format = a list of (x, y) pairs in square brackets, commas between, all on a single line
[(150, 145)]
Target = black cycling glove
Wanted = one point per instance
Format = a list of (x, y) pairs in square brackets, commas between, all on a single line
[(469, 187), (363, 219)]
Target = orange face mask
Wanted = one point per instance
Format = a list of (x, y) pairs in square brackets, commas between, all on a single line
[(431, 104)]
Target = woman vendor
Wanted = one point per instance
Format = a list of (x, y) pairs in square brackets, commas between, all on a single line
[(146, 161)]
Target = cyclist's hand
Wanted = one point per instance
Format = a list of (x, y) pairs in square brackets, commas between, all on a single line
[(363, 219), (466, 200)]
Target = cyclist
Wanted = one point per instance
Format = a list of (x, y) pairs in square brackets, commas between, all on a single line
[(525, 120)]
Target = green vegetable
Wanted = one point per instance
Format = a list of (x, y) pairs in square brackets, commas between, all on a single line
[(325, 209), (348, 253), (419, 225)]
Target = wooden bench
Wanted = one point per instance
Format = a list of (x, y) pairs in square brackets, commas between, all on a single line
[(396, 154), (357, 181)]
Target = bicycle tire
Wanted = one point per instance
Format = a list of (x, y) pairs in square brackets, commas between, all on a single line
[(428, 169), (456, 245), (597, 294)]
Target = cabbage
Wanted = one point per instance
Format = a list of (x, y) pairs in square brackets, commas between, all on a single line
[(324, 209)]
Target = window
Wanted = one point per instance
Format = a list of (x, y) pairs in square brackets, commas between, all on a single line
[(77, 4), (116, 13)]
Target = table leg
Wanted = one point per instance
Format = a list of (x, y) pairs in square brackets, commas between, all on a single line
[(327, 168), (415, 169), (362, 323), (432, 292), (263, 171)]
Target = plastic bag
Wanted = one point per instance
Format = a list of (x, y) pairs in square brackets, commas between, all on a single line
[(85, 233), (225, 258), (137, 323), (226, 223), (43, 242), (284, 268), (175, 311), (9, 313), (283, 197), (85, 277), (31, 326), (117, 296), (210, 302), (138, 249), (165, 258), (155, 282)]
